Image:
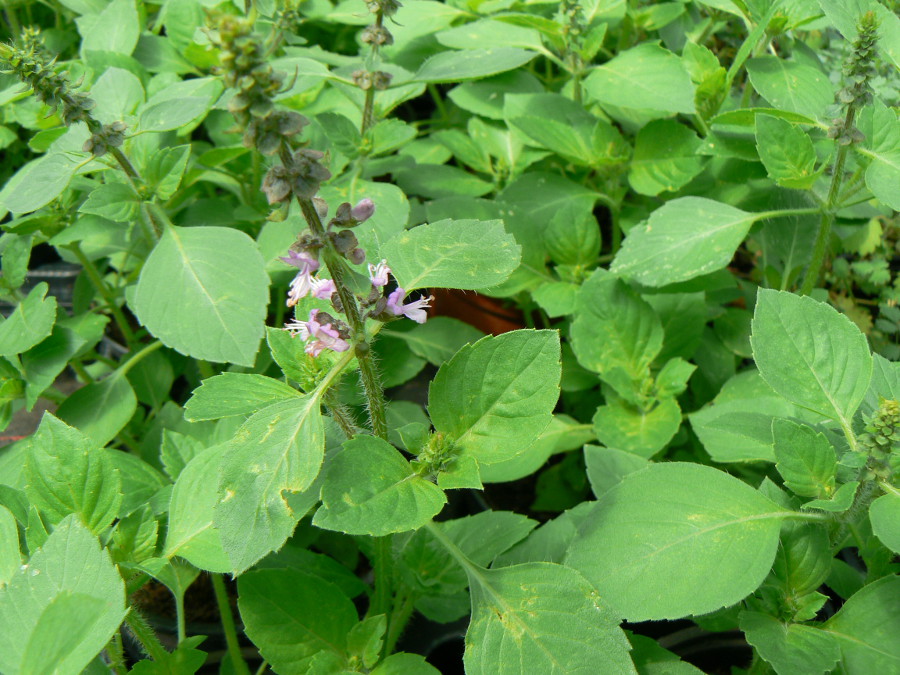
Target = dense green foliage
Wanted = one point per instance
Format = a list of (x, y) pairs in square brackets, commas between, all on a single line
[(692, 207)]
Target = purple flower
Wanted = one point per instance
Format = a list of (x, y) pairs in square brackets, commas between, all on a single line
[(302, 283), (363, 210), (414, 310), (324, 336), (322, 288), (378, 274)]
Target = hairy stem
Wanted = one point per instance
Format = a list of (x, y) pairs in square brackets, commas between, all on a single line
[(145, 635), (824, 233)]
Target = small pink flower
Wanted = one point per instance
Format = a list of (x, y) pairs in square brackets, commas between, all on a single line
[(322, 288), (325, 337), (378, 274), (414, 310), (302, 283)]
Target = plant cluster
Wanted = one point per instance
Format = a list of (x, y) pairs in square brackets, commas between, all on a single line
[(691, 205)]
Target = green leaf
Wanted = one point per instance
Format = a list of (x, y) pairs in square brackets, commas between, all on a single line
[(811, 354), (10, 558), (540, 618), (405, 664), (647, 77), (69, 562), (786, 152), (676, 539), (561, 435), (44, 362), (31, 321), (881, 128), (437, 181), (229, 394), (840, 501), (180, 104), (278, 449), (884, 514), (115, 29), (438, 339), (791, 648), (606, 467), (185, 660), (614, 327), (56, 635), (557, 298), (100, 409), (791, 86), (665, 158), (370, 488), (38, 182), (866, 628), (622, 425), (204, 291), (68, 473), (471, 64), (165, 168), (737, 425), (466, 254), (685, 238), (291, 616), (116, 94), (191, 534), (495, 396), (341, 132), (806, 459)]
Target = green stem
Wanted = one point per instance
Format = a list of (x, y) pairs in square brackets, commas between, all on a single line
[(262, 668), (824, 233), (890, 489), (15, 30), (438, 103), (381, 601), (116, 654), (105, 292), (231, 639), (404, 604), (368, 115), (179, 616), (137, 358), (145, 635)]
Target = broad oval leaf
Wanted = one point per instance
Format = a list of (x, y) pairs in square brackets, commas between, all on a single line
[(494, 397), (38, 183), (278, 449), (203, 291), (465, 254), (791, 86), (677, 539), (811, 354), (230, 394), (665, 158), (370, 488), (30, 322), (683, 239), (471, 64), (614, 327), (866, 628), (291, 616), (70, 561), (648, 77), (68, 473), (790, 647), (541, 618), (191, 534), (884, 514), (100, 409)]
